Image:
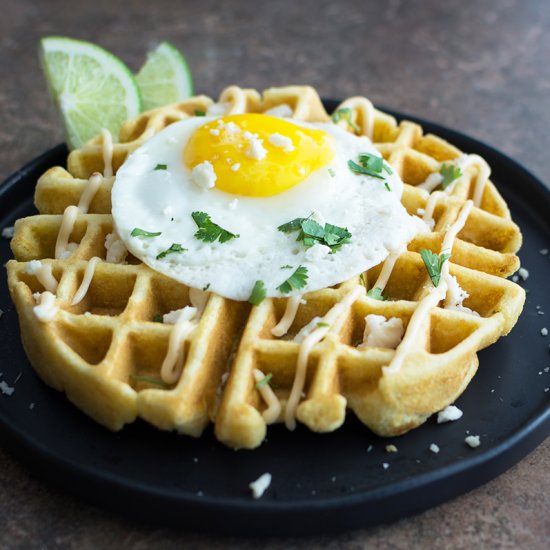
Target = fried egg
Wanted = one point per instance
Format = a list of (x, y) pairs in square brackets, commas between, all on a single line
[(238, 179)]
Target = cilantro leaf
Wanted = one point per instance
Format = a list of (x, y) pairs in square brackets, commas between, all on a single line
[(322, 324), (175, 247), (332, 172), (157, 318), (258, 293), (357, 169), (264, 381), (293, 225), (206, 287), (376, 294), (311, 233), (286, 267), (450, 173), (434, 264), (199, 113), (345, 114), (371, 162), (296, 281), (149, 380), (137, 232), (160, 167), (363, 280), (210, 231)]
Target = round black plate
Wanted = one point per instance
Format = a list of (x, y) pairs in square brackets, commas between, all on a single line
[(321, 483)]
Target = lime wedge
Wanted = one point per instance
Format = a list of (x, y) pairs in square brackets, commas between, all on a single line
[(92, 88), (164, 77)]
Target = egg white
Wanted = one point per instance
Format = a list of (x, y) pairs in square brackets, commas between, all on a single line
[(163, 200)]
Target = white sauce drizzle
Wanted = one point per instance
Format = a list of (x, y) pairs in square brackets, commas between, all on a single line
[(89, 192), (305, 348), (387, 268), (432, 298), (107, 150), (271, 414), (281, 328), (43, 273), (86, 281)]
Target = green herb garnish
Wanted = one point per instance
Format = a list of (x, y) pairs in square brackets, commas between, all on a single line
[(296, 281), (157, 318), (160, 167), (322, 324), (137, 232), (149, 380), (311, 232), (210, 231), (286, 267), (362, 280), (345, 114), (206, 287), (258, 293), (332, 173), (356, 168), (434, 264), (450, 173), (376, 293), (264, 381), (200, 113), (175, 247)]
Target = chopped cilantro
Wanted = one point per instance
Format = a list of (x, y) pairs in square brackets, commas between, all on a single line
[(149, 380), (160, 167), (210, 231), (332, 172), (345, 114), (311, 232), (157, 318), (206, 287), (371, 162), (137, 232), (322, 324), (450, 173), (286, 267), (356, 168), (363, 280), (387, 186), (264, 381), (258, 293), (296, 281), (376, 294), (175, 247), (200, 113), (434, 264)]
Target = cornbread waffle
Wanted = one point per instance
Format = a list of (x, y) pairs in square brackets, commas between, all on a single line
[(104, 351)]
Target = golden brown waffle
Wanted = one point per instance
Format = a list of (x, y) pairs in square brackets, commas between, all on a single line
[(101, 351)]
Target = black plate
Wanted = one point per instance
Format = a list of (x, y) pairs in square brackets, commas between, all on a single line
[(321, 483)]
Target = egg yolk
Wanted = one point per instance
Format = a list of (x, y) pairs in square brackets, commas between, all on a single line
[(258, 155)]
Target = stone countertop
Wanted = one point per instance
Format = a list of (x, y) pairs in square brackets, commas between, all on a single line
[(479, 67)]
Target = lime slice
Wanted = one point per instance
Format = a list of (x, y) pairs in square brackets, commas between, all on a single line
[(92, 88), (164, 77)]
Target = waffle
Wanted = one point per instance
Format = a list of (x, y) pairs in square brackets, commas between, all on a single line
[(106, 351)]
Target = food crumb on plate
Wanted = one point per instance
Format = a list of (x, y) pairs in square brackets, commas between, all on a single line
[(259, 487), (448, 414), (434, 448), (473, 441), (391, 449)]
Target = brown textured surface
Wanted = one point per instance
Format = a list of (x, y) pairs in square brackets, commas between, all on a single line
[(480, 67)]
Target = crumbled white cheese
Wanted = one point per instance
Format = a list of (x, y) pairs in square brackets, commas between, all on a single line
[(382, 332), (544, 251), (523, 273), (473, 441), (116, 249), (203, 175), (259, 487), (280, 141), (33, 267), (236, 166), (281, 111), (47, 308), (385, 465), (457, 295), (432, 181), (5, 389), (256, 150), (7, 232), (172, 317), (515, 278), (434, 448), (370, 448), (391, 449), (420, 211), (544, 331), (448, 414)]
